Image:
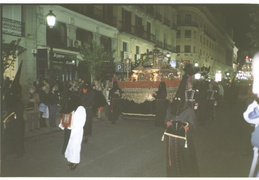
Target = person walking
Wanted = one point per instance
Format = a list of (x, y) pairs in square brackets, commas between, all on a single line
[(161, 104), (73, 129), (251, 116), (32, 109), (181, 160), (212, 95), (53, 100), (100, 101), (115, 107), (87, 101), (14, 125)]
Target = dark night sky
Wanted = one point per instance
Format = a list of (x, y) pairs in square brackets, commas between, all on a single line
[(237, 17)]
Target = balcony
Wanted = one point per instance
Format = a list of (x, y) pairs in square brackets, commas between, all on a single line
[(166, 22), (158, 17), (13, 27), (173, 26), (150, 11), (193, 24)]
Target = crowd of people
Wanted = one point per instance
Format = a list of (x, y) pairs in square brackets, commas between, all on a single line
[(78, 102)]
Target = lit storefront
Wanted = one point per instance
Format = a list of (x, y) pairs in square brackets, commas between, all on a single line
[(64, 64)]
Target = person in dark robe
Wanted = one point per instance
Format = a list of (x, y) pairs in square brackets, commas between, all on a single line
[(180, 153), (87, 96), (161, 104), (212, 96), (100, 101), (14, 125), (115, 106), (191, 96), (202, 100)]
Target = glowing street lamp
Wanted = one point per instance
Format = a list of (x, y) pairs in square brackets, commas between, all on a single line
[(51, 19)]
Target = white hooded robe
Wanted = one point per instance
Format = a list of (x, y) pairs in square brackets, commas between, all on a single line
[(73, 149)]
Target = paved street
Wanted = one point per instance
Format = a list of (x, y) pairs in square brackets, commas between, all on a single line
[(133, 148)]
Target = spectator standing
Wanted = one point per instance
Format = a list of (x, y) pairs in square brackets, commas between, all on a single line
[(43, 104), (32, 109), (53, 100)]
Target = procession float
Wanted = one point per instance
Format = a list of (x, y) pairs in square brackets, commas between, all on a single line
[(138, 100)]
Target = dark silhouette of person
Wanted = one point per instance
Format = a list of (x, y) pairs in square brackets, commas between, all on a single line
[(115, 98), (161, 104)]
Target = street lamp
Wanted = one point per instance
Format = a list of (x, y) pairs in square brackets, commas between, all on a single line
[(51, 21)]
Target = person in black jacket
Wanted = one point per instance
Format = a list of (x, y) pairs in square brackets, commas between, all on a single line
[(53, 99), (43, 104)]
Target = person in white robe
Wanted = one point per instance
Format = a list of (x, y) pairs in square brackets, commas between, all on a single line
[(73, 149)]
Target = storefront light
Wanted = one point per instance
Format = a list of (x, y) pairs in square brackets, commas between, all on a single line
[(218, 76)]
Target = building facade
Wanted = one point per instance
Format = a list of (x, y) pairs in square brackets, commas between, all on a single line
[(187, 33), (201, 39)]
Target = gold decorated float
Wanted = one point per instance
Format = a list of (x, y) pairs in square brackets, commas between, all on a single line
[(139, 90)]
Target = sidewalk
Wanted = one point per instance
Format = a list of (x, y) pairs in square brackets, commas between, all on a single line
[(48, 130)]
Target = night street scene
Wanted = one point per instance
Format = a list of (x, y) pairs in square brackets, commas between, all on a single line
[(129, 90)]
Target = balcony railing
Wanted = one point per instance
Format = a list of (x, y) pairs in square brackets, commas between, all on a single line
[(12, 27), (193, 24)]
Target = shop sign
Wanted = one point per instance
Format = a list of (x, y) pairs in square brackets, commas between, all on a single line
[(119, 67)]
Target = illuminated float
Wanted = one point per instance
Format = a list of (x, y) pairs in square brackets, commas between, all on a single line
[(137, 98)]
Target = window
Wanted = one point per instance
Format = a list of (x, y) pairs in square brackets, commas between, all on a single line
[(84, 36), (178, 19), (178, 35), (126, 20), (188, 33), (137, 50), (188, 19), (125, 46), (187, 49), (178, 49), (57, 37), (107, 43)]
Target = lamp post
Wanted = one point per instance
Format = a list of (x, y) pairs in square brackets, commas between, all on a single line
[(51, 21)]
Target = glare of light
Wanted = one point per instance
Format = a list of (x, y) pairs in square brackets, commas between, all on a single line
[(218, 76), (197, 76)]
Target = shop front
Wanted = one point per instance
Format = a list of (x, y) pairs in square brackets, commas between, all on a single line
[(61, 65)]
